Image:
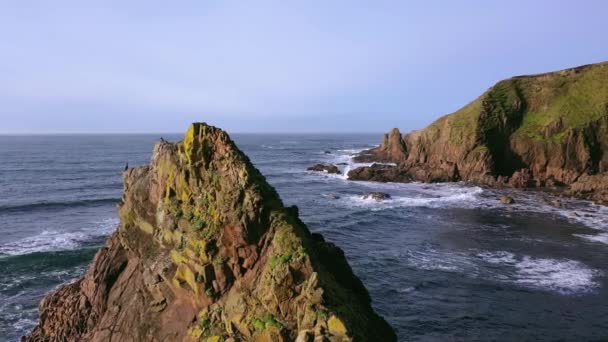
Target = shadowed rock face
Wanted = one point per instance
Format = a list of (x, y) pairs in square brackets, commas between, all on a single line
[(527, 131), (206, 251)]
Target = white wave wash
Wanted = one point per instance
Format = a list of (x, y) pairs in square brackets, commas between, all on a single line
[(457, 197), (563, 276), (591, 215), (53, 240), (601, 238)]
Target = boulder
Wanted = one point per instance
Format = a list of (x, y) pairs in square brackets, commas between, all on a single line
[(507, 200), (377, 195), (329, 168)]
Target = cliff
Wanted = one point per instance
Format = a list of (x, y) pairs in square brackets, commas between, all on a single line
[(546, 130), (206, 251)]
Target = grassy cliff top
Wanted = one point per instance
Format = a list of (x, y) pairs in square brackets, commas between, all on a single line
[(548, 104)]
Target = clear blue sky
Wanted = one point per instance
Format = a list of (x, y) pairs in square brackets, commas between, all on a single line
[(274, 66)]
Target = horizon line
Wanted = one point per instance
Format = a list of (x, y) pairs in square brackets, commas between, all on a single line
[(7, 134)]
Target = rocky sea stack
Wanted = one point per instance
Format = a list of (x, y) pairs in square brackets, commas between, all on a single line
[(547, 131), (206, 251)]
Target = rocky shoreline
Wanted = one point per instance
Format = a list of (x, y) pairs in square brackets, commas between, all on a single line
[(586, 187), (547, 132)]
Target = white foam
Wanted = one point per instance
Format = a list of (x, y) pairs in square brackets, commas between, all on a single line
[(346, 156), (431, 259), (499, 257), (54, 240), (563, 276), (602, 237), (464, 196), (592, 215), (46, 241), (352, 151), (436, 195), (24, 324)]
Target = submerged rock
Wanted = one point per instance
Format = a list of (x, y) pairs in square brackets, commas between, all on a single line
[(377, 195), (206, 251), (329, 168)]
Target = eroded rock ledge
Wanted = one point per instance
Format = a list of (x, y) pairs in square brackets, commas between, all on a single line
[(206, 251), (543, 131)]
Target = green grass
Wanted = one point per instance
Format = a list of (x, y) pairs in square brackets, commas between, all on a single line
[(265, 322), (576, 96), (276, 260), (197, 223)]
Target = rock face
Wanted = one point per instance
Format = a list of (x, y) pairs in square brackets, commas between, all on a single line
[(206, 251), (547, 130), (329, 168), (392, 149), (380, 173)]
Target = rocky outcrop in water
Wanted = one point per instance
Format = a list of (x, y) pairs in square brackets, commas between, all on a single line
[(329, 168), (380, 173), (376, 195), (206, 251), (548, 131)]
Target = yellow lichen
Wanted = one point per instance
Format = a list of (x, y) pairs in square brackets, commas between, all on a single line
[(145, 226), (336, 326), (197, 248), (177, 236), (177, 258), (195, 332), (184, 273), (168, 236)]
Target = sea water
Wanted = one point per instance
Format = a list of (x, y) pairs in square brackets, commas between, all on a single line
[(442, 262)]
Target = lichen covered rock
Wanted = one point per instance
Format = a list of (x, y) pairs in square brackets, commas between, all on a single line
[(206, 251)]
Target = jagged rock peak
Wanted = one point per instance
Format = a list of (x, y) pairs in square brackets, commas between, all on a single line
[(206, 251), (392, 149)]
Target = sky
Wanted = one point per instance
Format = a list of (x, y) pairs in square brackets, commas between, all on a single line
[(274, 66)]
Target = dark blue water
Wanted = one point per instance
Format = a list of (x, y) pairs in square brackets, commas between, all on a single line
[(442, 262)]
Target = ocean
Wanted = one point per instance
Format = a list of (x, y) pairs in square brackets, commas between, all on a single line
[(442, 262)]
